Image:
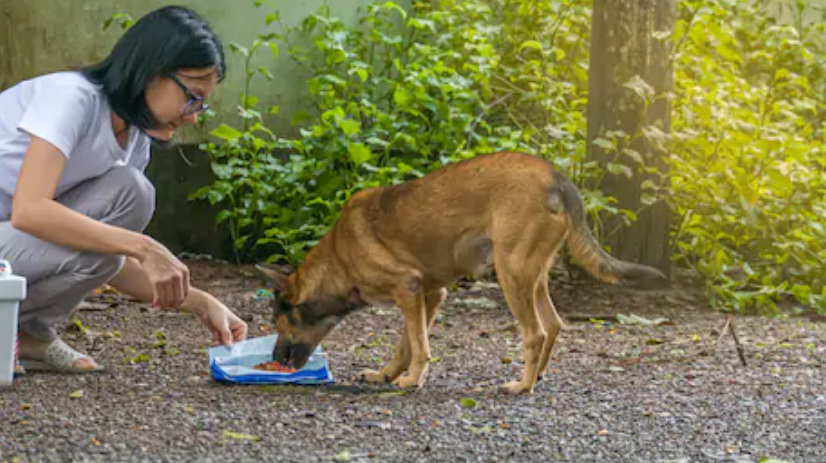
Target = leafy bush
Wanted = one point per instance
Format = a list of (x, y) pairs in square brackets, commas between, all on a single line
[(396, 96), (747, 152), (406, 91)]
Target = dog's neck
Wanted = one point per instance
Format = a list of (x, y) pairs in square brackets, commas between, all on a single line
[(312, 280)]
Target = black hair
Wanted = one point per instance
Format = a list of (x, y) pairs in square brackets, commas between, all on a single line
[(157, 45)]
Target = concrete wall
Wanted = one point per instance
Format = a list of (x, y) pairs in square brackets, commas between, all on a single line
[(40, 36)]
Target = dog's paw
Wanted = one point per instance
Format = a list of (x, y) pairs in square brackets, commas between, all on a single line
[(516, 388), (373, 377), (407, 381)]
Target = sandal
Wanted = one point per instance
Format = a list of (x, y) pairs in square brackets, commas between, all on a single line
[(18, 369), (60, 357)]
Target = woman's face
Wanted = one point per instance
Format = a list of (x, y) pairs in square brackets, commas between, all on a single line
[(179, 99)]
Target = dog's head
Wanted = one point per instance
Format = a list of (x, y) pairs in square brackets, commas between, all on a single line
[(301, 326)]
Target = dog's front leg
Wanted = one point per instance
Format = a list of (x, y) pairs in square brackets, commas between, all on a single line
[(410, 299), (401, 359)]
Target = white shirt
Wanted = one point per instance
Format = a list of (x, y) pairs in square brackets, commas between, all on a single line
[(70, 112)]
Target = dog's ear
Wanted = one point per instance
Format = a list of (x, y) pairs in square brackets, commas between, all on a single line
[(277, 274)]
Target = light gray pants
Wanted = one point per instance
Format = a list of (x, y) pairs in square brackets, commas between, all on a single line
[(59, 278)]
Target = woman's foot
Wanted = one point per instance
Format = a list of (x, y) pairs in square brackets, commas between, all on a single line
[(56, 355)]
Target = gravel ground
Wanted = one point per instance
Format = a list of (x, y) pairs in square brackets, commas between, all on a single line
[(669, 392)]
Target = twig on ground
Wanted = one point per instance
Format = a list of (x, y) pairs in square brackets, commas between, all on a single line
[(729, 326), (739, 346)]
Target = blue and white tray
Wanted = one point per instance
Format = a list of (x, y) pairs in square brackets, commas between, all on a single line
[(236, 364)]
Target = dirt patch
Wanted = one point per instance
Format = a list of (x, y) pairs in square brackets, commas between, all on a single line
[(668, 392)]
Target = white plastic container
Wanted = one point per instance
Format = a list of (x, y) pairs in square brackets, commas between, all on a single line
[(12, 292)]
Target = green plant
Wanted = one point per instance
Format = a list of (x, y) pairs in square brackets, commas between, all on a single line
[(405, 91), (396, 95), (747, 152)]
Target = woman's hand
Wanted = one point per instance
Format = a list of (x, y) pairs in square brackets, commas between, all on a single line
[(168, 276), (225, 326)]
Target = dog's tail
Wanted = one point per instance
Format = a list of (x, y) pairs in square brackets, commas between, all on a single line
[(585, 248)]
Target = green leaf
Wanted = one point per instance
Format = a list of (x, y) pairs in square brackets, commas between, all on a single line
[(604, 144), (400, 96), (468, 402), (350, 127), (395, 6), (359, 153), (226, 132), (240, 436), (265, 72), (780, 183), (641, 88), (235, 47), (222, 216), (393, 393), (76, 394), (533, 44), (250, 101)]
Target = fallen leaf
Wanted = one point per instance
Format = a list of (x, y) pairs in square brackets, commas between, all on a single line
[(393, 393), (76, 394), (637, 320), (344, 455), (239, 436), (603, 432), (468, 402)]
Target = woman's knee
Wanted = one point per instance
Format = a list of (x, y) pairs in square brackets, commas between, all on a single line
[(135, 193)]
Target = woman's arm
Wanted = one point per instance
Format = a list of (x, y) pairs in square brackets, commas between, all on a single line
[(225, 326), (35, 212), (133, 281)]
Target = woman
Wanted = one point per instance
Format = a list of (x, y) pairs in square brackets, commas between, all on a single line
[(74, 201)]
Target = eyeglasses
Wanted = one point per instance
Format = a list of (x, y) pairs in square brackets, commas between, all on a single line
[(195, 104)]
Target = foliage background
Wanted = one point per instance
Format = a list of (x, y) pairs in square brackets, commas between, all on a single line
[(407, 91)]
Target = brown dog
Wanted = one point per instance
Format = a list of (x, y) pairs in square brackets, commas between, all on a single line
[(403, 244)]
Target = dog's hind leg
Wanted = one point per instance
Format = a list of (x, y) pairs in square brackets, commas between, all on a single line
[(517, 279), (550, 320), (401, 359)]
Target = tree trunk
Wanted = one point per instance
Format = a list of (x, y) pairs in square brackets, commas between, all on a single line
[(624, 49)]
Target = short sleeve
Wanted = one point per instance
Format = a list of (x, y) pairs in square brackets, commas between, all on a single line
[(58, 114)]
